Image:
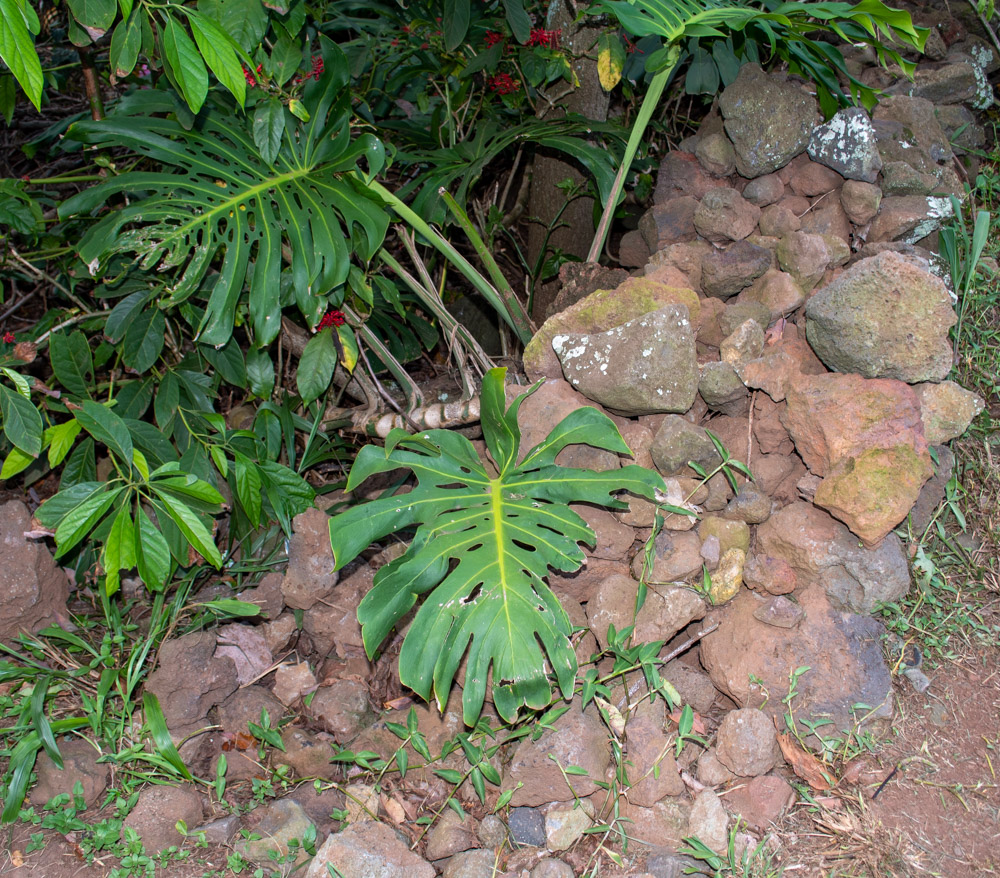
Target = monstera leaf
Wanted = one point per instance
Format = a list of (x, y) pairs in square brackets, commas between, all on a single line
[(220, 204), (481, 548)]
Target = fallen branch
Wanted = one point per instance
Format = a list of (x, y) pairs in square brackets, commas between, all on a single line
[(436, 416)]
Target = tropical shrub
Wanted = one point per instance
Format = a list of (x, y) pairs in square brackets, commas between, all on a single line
[(481, 548)]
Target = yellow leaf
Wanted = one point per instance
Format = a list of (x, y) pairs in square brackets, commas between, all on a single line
[(610, 61)]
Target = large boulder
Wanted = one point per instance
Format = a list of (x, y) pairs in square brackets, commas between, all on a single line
[(768, 119), (841, 650), (600, 311), (884, 317), (33, 589), (646, 366), (822, 551)]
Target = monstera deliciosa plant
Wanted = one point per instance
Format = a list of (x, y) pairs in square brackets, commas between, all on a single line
[(480, 551)]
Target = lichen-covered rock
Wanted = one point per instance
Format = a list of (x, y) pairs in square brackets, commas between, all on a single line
[(645, 366), (600, 311), (738, 312), (901, 178), (910, 218), (743, 344), (727, 577), (724, 215), (874, 491), (955, 83), (946, 410), (848, 145), (884, 317), (768, 119)]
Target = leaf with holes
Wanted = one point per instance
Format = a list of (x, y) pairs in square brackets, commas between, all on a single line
[(219, 204), (481, 549)]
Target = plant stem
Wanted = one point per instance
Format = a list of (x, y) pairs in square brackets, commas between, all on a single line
[(90, 83), (649, 104), (517, 320)]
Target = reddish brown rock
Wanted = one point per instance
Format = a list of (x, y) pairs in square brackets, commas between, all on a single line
[(725, 272), (681, 174), (653, 773), (761, 802), (828, 217), (805, 257), (764, 190), (583, 583), (685, 257), (833, 416), (772, 575), (777, 290), (535, 772), (811, 178), (633, 251), (842, 651), (746, 743), (823, 551), (669, 222), (778, 221), (770, 433)]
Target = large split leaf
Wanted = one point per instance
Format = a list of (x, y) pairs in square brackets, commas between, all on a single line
[(480, 552), (219, 203)]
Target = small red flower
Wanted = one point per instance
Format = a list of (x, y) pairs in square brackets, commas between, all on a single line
[(503, 84), (331, 318), (546, 38), (492, 38), (425, 45), (394, 42), (8, 338), (250, 78), (317, 70)]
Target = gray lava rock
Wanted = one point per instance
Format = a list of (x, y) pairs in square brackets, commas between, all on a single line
[(746, 743), (450, 835), (471, 864), (677, 441), (769, 120), (884, 317), (527, 827), (645, 366), (848, 145)]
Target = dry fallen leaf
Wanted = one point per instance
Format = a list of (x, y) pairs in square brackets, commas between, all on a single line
[(395, 811), (16, 859), (398, 703), (804, 764), (615, 719)]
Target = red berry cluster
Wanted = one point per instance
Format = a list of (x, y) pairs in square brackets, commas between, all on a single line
[(503, 84), (331, 318), (250, 77), (549, 39), (8, 338)]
